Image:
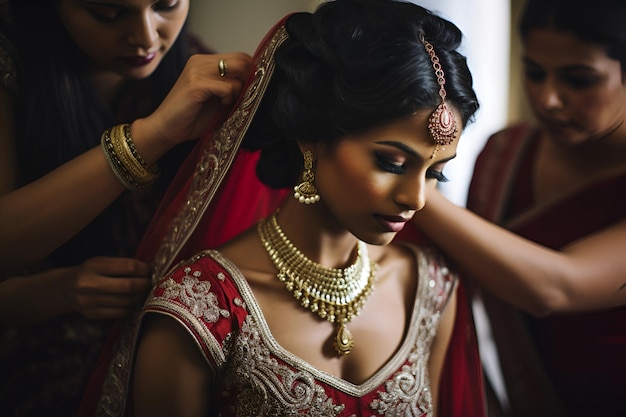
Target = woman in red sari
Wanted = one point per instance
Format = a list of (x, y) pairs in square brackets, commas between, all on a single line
[(69, 70), (358, 105), (557, 190)]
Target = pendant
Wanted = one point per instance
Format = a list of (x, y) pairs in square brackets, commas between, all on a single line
[(343, 340), (442, 125)]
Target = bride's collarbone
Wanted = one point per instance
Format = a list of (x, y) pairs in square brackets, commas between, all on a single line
[(377, 332)]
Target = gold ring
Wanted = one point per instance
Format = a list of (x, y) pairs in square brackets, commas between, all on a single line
[(223, 67)]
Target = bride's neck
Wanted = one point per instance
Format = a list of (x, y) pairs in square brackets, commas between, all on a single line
[(317, 234)]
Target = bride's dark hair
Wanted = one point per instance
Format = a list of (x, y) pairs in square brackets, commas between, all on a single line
[(350, 66)]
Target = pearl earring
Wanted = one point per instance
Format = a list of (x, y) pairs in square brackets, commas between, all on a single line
[(305, 192)]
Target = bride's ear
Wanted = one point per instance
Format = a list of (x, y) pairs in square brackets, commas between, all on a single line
[(314, 147), (303, 146)]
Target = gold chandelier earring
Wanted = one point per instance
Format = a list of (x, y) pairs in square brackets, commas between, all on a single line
[(305, 192)]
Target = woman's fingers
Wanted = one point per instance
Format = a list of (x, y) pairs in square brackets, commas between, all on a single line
[(109, 287)]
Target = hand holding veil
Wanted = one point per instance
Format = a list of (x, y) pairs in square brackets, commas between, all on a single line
[(217, 171)]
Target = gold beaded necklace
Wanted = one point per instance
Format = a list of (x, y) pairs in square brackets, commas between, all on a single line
[(336, 295)]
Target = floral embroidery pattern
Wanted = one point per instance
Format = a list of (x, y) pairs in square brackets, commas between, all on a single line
[(196, 295), (266, 387)]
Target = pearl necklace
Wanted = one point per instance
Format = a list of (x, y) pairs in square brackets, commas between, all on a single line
[(336, 295)]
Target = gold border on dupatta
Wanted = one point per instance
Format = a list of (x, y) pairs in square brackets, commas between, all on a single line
[(209, 173), (216, 160)]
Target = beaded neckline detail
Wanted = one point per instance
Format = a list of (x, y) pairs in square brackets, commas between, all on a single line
[(334, 294)]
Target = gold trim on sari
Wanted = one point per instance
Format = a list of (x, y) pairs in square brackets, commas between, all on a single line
[(218, 153), (216, 160)]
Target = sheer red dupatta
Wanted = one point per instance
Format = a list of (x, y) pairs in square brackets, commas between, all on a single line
[(214, 196)]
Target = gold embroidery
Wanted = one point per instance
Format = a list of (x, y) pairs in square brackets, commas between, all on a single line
[(216, 160), (208, 175)]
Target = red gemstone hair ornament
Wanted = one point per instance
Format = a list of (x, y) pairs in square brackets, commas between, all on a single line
[(442, 123)]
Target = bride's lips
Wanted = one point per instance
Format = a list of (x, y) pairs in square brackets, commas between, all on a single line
[(391, 223), (138, 60)]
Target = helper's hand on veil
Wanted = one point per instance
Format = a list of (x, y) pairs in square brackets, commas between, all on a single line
[(100, 288), (197, 97), (107, 288)]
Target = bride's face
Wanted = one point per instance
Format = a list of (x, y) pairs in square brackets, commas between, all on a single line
[(374, 182)]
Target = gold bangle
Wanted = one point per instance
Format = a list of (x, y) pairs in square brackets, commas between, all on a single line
[(132, 165), (153, 169), (124, 160), (116, 164)]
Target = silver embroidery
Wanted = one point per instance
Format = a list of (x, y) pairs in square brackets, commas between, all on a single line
[(114, 389), (268, 388), (257, 382), (408, 391), (262, 385), (196, 295), (239, 302)]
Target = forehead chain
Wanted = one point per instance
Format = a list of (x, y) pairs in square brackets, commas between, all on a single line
[(442, 122)]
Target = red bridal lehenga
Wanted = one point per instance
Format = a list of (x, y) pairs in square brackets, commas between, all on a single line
[(215, 196)]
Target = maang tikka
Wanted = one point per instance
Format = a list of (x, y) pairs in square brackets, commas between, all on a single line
[(305, 192), (442, 123)]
